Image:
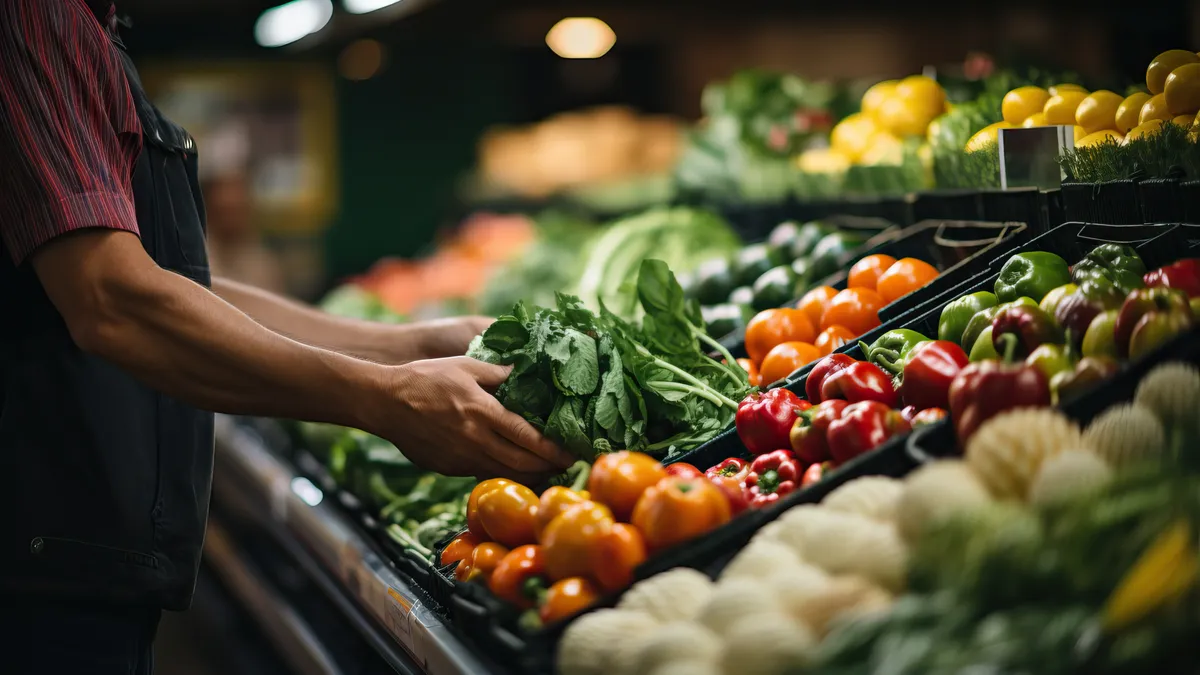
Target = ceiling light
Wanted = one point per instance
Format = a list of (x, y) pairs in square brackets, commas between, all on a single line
[(581, 38), (292, 21), (364, 6)]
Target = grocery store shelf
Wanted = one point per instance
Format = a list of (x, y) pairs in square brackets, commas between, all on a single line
[(260, 486)]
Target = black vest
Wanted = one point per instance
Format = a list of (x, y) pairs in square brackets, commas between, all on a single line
[(106, 481)]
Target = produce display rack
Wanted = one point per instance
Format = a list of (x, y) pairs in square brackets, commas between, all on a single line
[(396, 618)]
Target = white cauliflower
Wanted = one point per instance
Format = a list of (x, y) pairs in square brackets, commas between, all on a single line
[(760, 558), (871, 496), (840, 597), (1125, 434), (935, 492), (673, 595), (845, 543), (1007, 450), (767, 644), (734, 599), (674, 642), (587, 643), (1070, 474)]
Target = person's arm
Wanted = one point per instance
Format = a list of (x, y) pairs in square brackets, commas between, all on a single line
[(67, 149), (383, 343)]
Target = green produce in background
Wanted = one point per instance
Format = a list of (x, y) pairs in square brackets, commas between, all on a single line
[(712, 282), (984, 348), (681, 237), (775, 288), (782, 239), (807, 237), (957, 314), (353, 302), (1031, 275), (829, 255), (753, 261), (743, 296), (721, 320)]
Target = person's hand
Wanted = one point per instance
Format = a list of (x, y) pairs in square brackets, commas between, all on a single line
[(438, 413), (442, 338)]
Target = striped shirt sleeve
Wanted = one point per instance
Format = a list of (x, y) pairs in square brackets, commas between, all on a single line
[(70, 134)]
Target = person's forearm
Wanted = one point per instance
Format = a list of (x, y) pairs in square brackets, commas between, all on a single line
[(363, 339), (188, 343)]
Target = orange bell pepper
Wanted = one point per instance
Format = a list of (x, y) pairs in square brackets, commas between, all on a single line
[(474, 526), (619, 478), (555, 500), (678, 509), (482, 562), (509, 514), (520, 577), (620, 554), (567, 597), (573, 541), (459, 547)]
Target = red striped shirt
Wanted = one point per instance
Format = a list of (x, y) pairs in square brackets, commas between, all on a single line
[(69, 131)]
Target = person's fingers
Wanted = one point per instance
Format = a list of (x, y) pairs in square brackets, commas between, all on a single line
[(523, 434), (486, 375)]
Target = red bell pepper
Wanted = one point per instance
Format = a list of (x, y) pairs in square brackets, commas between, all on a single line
[(985, 389), (1183, 275), (1174, 314), (927, 416), (772, 476), (861, 381), (824, 369), (930, 369), (862, 427), (809, 437), (732, 467), (682, 470), (734, 490), (815, 473), (765, 419)]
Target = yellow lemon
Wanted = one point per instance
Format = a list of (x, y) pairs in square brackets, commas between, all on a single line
[(1060, 108), (1164, 64), (1037, 119), (1022, 102), (916, 102), (822, 160), (1079, 132), (1145, 129), (1102, 136), (989, 135), (1065, 86), (883, 148), (1184, 121), (874, 97), (902, 119), (1182, 90), (1128, 111), (1155, 108), (1098, 111), (850, 136)]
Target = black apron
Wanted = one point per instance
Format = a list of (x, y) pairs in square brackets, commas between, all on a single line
[(106, 481)]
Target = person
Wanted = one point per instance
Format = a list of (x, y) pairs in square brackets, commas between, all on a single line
[(114, 348)]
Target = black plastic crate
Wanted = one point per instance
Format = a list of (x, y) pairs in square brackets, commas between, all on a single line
[(948, 205), (1017, 205), (1117, 202), (1189, 196), (1161, 201), (958, 248)]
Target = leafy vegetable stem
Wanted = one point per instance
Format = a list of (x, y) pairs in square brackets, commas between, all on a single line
[(380, 487), (583, 472), (721, 398), (730, 362), (403, 538), (713, 397)]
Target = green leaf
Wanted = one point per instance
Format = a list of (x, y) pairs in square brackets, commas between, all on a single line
[(580, 373), (506, 334)]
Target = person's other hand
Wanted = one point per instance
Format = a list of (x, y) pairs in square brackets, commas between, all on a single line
[(440, 414), (442, 338)]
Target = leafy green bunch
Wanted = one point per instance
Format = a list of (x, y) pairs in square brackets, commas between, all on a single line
[(596, 382), (1168, 153)]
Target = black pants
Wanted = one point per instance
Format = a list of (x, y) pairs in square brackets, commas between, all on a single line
[(53, 638)]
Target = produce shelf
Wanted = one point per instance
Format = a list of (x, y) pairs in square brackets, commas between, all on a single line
[(394, 617)]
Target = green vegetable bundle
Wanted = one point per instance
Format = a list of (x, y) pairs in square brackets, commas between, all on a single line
[(596, 382)]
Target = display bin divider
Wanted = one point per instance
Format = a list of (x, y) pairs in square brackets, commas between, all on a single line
[(961, 204), (1189, 196), (1161, 200)]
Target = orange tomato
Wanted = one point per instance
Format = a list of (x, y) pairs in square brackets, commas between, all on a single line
[(866, 272), (814, 302), (751, 370), (776, 326), (831, 338), (566, 598), (786, 358), (904, 277), (857, 309), (474, 525), (619, 478)]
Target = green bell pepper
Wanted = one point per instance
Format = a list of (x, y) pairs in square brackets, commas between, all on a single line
[(1115, 263), (891, 350), (1032, 275), (957, 314), (830, 253), (983, 349)]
